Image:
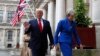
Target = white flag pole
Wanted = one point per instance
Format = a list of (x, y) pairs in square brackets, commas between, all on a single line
[(31, 10)]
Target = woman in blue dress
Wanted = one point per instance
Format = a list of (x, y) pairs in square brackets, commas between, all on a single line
[(65, 31)]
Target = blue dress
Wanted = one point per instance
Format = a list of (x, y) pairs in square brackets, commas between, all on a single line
[(64, 35)]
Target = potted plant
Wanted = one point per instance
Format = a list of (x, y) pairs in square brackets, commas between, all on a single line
[(83, 21), (81, 14)]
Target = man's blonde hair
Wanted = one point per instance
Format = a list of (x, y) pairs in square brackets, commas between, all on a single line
[(41, 10)]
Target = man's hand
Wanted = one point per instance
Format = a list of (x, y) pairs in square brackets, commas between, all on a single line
[(51, 46), (26, 25)]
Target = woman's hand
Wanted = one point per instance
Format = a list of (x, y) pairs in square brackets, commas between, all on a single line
[(56, 47), (81, 46)]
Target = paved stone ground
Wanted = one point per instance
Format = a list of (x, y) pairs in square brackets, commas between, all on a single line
[(85, 52), (4, 53), (11, 52)]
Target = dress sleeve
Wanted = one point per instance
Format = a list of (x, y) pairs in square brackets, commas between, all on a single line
[(57, 32)]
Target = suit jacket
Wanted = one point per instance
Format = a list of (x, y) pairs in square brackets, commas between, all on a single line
[(39, 39), (65, 31)]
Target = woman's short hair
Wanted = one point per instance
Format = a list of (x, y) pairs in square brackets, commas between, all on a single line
[(69, 13)]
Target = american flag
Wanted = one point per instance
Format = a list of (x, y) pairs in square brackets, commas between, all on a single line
[(21, 1), (19, 13)]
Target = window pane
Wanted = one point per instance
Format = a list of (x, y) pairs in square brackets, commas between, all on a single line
[(10, 16), (10, 34), (1, 34), (9, 45), (1, 15)]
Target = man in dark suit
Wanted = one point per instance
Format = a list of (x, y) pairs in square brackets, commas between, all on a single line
[(39, 29)]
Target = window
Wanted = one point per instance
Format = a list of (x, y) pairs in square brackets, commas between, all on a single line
[(9, 45), (10, 34), (1, 34), (10, 16), (1, 15)]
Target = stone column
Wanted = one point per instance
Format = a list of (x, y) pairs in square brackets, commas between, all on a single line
[(5, 14), (50, 17), (51, 14), (21, 35), (44, 14), (69, 5), (3, 39), (90, 9), (95, 11), (95, 14), (60, 11), (15, 39)]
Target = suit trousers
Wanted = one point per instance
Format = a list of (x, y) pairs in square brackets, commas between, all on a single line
[(39, 52)]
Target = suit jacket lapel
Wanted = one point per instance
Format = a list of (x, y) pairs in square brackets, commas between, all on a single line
[(43, 25), (36, 22)]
